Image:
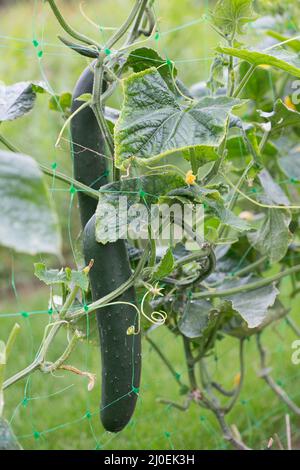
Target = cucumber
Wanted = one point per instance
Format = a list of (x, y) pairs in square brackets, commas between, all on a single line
[(90, 167), (120, 353)]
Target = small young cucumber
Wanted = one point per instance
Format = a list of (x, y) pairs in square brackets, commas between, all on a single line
[(120, 352)]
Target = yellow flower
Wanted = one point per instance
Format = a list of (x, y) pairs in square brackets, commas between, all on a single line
[(190, 178), (265, 66), (237, 379), (288, 102)]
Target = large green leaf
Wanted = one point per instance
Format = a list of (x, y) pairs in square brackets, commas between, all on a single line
[(155, 122), (232, 15), (18, 99), (279, 58), (143, 58), (29, 223), (124, 195)]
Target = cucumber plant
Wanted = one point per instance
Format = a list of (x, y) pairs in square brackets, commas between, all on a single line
[(230, 145)]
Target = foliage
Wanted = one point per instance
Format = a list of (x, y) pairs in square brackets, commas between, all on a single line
[(236, 146)]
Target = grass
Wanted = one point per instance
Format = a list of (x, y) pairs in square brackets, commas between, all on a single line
[(50, 412)]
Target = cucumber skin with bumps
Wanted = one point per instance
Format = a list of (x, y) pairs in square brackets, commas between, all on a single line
[(120, 353), (89, 164)]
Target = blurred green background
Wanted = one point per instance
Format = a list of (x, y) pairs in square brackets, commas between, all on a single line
[(57, 412)]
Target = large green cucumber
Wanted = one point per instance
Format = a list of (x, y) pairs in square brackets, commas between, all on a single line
[(90, 166), (120, 353)]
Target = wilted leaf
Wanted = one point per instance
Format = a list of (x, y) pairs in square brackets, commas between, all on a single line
[(291, 165), (61, 276), (18, 99), (273, 237), (197, 319), (29, 223), (253, 307)]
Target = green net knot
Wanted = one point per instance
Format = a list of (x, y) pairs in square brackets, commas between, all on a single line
[(36, 435), (88, 415), (25, 314), (25, 402)]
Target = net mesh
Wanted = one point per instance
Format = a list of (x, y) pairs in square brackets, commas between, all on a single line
[(57, 411)]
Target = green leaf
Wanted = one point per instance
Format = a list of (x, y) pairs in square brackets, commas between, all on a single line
[(238, 327), (281, 117), (273, 194), (273, 237), (164, 267), (84, 97), (29, 223), (198, 319), (231, 16), (252, 308), (279, 58), (61, 276), (226, 216), (258, 84), (18, 99), (61, 103), (291, 165), (289, 42), (144, 58), (110, 225), (155, 122)]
